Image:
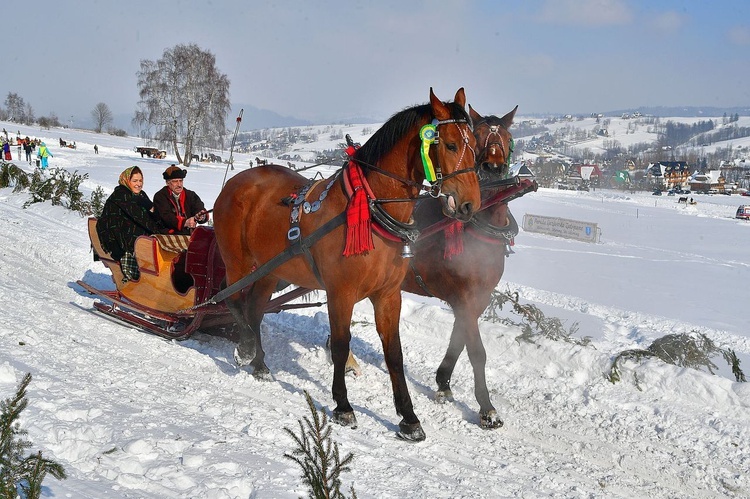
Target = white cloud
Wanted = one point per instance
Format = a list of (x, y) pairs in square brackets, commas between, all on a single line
[(586, 12)]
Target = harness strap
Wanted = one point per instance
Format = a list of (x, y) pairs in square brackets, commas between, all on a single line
[(418, 278), (493, 233), (276, 261), (302, 243)]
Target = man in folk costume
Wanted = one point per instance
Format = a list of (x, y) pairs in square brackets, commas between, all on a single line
[(179, 209)]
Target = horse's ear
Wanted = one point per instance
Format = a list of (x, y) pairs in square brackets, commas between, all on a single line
[(475, 116), (507, 120), (460, 98), (439, 110)]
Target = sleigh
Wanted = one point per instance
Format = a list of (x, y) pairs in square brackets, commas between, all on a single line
[(178, 275)]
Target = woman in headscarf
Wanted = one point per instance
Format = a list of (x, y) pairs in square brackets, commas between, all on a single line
[(127, 214)]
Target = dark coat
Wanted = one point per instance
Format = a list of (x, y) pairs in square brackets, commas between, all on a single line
[(174, 216), (125, 217)]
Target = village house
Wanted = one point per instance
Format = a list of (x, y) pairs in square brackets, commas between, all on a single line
[(710, 182), (668, 174)]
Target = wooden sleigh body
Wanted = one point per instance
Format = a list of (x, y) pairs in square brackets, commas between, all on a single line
[(176, 274)]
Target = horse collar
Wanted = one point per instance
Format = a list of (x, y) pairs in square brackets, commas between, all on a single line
[(385, 225)]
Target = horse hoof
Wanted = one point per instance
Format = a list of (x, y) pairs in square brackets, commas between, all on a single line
[(353, 369), (490, 420), (344, 419), (411, 432), (262, 373), (443, 396), (242, 359)]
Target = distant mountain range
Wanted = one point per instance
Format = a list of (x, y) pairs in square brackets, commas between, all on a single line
[(685, 111), (255, 118)]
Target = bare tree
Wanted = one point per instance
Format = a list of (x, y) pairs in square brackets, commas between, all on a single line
[(102, 116), (29, 115), (184, 99), (15, 107)]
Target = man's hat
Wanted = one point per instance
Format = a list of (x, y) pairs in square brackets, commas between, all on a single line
[(174, 172)]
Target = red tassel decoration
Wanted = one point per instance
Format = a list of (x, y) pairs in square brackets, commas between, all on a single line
[(454, 240), (358, 223)]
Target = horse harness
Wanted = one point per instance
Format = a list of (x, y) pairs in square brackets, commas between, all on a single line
[(301, 205), (484, 231), (386, 225), (397, 230), (495, 139)]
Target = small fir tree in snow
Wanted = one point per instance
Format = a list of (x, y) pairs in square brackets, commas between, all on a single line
[(21, 476), (318, 455)]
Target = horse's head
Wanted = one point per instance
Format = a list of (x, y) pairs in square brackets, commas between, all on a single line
[(451, 152), (494, 143)]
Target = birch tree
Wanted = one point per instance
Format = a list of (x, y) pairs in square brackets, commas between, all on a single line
[(184, 100)]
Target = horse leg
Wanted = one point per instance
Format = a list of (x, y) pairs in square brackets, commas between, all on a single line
[(387, 311), (352, 366), (488, 417), (249, 350), (466, 333), (445, 370), (340, 316)]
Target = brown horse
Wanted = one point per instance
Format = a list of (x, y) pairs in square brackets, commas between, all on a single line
[(466, 280), (252, 227)]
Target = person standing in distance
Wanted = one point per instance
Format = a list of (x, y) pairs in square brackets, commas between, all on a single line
[(179, 209), (44, 154)]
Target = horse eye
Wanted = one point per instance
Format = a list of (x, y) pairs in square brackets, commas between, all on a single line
[(452, 147)]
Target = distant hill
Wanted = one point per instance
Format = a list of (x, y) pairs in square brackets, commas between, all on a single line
[(254, 118), (664, 112), (684, 111)]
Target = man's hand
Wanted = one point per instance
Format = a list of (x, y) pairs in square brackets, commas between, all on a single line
[(201, 217)]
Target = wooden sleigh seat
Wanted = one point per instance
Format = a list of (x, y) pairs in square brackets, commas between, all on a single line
[(164, 284)]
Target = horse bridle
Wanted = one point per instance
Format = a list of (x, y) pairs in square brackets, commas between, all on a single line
[(406, 231), (435, 188), (440, 178), (495, 132)]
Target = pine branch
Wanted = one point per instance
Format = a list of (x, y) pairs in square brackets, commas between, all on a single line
[(318, 455), (694, 351), (17, 471), (533, 322)]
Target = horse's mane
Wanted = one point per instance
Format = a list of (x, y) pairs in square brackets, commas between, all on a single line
[(396, 127)]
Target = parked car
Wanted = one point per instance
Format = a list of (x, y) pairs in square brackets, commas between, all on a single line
[(743, 212), (746, 193)]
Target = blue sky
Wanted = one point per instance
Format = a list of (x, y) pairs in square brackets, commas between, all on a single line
[(330, 60)]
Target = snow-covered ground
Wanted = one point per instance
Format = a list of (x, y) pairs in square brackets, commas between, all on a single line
[(132, 415)]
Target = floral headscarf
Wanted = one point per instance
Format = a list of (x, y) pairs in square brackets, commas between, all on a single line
[(127, 174)]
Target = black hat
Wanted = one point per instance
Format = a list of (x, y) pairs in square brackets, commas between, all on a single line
[(174, 172)]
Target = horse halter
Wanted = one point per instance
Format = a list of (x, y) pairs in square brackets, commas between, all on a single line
[(434, 173), (495, 139)]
